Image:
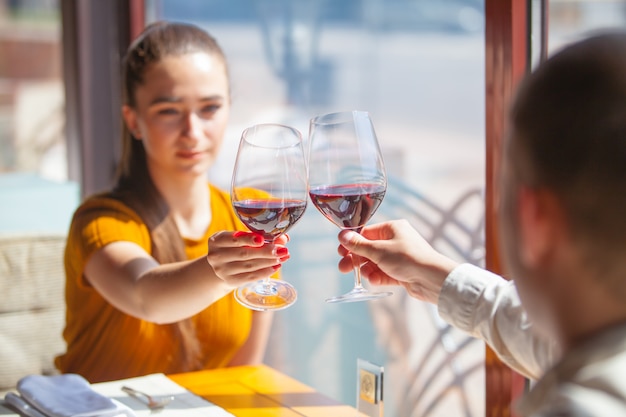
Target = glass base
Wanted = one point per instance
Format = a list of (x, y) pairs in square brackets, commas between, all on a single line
[(358, 294), (266, 295)]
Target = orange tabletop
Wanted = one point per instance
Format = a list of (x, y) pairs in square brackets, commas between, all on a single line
[(261, 391)]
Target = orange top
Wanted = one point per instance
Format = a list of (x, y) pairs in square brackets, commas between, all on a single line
[(104, 343)]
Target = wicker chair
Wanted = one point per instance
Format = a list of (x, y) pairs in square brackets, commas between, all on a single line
[(32, 313)]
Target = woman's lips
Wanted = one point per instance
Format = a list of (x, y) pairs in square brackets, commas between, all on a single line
[(190, 154)]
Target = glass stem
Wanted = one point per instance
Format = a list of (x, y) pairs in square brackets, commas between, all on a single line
[(356, 265), (357, 272), (267, 284), (265, 287)]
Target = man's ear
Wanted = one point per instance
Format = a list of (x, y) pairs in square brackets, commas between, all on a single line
[(130, 118), (538, 212)]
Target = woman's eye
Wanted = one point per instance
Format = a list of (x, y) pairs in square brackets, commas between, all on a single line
[(210, 109), (167, 111)]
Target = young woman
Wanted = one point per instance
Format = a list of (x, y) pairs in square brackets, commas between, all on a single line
[(151, 264)]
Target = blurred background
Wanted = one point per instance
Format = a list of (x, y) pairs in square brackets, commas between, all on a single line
[(418, 66)]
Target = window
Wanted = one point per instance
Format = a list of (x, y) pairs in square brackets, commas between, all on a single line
[(33, 162), (31, 89), (418, 68)]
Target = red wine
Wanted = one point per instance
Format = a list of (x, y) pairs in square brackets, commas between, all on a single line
[(270, 218), (349, 206)]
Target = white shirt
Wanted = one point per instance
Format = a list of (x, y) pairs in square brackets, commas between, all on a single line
[(589, 380)]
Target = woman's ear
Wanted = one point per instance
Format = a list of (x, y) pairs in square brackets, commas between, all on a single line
[(539, 222), (130, 118)]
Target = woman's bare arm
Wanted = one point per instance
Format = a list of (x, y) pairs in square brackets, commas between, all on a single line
[(134, 282)]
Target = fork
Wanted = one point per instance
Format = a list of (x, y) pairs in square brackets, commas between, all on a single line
[(152, 402)]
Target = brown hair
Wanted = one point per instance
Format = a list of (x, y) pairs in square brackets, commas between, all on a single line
[(569, 136), (134, 185)]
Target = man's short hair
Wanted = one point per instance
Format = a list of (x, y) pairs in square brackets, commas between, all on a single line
[(568, 135)]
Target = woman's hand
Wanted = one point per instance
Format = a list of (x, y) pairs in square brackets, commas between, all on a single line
[(240, 257), (394, 253)]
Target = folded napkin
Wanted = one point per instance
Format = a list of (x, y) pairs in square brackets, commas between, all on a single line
[(67, 395)]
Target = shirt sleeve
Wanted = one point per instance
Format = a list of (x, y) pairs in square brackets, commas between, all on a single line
[(98, 222), (487, 306)]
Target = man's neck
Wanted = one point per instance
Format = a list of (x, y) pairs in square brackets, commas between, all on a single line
[(586, 311)]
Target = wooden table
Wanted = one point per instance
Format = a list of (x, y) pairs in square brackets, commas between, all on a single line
[(261, 391), (254, 391)]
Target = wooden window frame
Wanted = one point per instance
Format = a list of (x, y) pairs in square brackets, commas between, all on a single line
[(507, 60), (95, 35)]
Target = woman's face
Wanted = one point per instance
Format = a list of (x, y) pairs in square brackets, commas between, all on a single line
[(181, 113)]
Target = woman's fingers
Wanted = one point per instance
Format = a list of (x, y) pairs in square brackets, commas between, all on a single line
[(244, 245), (239, 238), (248, 275), (238, 257)]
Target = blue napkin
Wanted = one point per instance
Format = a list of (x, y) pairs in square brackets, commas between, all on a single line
[(67, 395)]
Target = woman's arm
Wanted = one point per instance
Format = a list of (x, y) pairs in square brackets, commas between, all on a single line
[(135, 283)]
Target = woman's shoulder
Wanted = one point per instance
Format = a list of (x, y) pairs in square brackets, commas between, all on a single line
[(105, 214), (102, 219), (105, 205)]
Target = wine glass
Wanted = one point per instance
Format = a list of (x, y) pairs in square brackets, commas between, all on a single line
[(347, 180), (269, 195)]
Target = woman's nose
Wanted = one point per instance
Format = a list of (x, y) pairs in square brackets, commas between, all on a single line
[(193, 126)]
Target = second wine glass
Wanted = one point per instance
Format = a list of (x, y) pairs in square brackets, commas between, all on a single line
[(347, 179), (269, 195)]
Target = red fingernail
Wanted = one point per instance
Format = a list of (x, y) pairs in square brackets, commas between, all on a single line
[(282, 251), (258, 239), (284, 258), (239, 233), (276, 267)]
